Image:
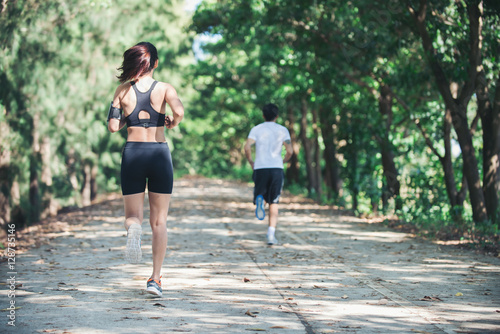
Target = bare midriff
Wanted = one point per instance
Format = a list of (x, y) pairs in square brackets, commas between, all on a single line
[(151, 134)]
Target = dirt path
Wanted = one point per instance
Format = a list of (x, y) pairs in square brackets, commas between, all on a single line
[(331, 273)]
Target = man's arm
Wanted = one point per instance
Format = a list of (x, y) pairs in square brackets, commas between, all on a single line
[(289, 150), (248, 150)]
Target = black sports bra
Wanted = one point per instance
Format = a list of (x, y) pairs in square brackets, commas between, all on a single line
[(155, 119)]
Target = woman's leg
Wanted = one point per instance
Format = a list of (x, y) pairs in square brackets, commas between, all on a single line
[(133, 219), (134, 209), (159, 204)]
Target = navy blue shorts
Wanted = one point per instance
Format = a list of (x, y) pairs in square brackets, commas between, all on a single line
[(150, 163), (268, 183)]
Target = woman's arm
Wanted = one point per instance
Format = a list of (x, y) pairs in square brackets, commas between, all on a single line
[(175, 105), (115, 124)]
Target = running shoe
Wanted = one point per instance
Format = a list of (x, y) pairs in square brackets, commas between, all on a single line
[(260, 212), (271, 240), (154, 287), (133, 252)]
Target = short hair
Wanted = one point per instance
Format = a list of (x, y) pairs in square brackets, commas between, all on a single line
[(270, 111)]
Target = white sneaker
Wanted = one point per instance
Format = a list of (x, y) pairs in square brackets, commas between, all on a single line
[(260, 211), (271, 240), (133, 252)]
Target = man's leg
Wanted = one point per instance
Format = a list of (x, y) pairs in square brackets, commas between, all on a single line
[(273, 221), (275, 188), (273, 215), (260, 180)]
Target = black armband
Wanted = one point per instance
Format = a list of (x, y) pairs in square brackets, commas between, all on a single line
[(114, 112)]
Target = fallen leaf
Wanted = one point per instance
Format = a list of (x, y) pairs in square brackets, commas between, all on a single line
[(459, 294), (255, 329), (64, 289), (251, 314), (8, 309), (246, 280), (154, 317), (431, 299), (282, 327), (158, 304), (344, 297)]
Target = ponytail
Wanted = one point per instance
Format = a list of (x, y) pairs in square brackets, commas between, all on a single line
[(137, 61)]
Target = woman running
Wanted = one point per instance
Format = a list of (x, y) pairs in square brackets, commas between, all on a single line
[(140, 103)]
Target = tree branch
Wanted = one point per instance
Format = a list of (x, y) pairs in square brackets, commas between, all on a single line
[(430, 52), (428, 141), (475, 23), (363, 84)]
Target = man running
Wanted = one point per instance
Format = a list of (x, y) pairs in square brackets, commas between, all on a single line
[(268, 176)]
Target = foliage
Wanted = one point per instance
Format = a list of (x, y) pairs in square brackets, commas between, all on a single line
[(363, 86), (338, 60), (58, 69)]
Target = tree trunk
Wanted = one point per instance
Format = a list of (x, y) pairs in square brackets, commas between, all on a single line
[(332, 169), (311, 186), (471, 170), (35, 158), (351, 155), (292, 171), (93, 182), (490, 119), (5, 171), (458, 106), (317, 156), (354, 181), (391, 173), (86, 185), (446, 161)]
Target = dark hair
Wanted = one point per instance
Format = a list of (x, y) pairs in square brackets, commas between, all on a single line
[(270, 112), (138, 60)]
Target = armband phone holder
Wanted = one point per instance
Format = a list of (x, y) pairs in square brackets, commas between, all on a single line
[(114, 112)]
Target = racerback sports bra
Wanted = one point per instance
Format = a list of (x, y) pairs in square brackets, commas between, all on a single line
[(155, 119)]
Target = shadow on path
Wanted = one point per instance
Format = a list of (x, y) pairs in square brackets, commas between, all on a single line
[(330, 273)]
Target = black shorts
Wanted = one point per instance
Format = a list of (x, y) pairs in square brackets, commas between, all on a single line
[(149, 162), (268, 183)]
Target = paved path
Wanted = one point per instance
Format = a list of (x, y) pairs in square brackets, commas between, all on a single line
[(331, 274)]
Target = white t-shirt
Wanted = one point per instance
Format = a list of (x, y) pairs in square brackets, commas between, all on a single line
[(269, 138)]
